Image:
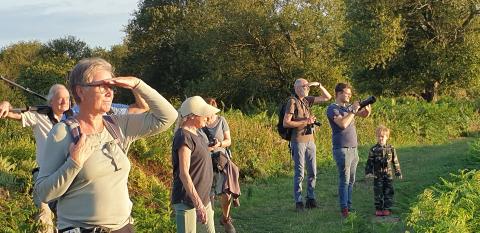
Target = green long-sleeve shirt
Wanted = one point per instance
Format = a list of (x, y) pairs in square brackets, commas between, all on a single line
[(96, 194)]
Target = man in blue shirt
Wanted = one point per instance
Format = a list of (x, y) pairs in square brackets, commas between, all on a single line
[(341, 116)]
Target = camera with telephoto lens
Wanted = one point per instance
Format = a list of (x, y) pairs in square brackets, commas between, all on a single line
[(309, 128), (363, 103), (367, 101)]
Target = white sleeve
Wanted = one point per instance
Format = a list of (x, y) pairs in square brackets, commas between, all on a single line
[(29, 119)]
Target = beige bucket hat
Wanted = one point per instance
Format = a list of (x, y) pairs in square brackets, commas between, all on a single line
[(196, 105)]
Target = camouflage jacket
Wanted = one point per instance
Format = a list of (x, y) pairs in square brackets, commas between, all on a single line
[(381, 159)]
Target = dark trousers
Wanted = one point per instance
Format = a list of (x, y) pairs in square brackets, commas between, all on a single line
[(383, 192)]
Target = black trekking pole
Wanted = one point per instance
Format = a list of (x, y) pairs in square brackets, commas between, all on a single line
[(23, 88), (42, 109)]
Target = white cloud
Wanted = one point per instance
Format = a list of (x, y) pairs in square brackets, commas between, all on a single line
[(99, 23)]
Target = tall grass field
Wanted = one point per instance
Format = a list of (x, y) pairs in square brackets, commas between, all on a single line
[(263, 156)]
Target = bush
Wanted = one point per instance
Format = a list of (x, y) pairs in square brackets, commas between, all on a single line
[(256, 147), (452, 206)]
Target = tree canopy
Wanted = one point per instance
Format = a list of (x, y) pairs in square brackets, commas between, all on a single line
[(248, 53)]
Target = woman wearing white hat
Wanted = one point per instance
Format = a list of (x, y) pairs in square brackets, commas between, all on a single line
[(192, 168)]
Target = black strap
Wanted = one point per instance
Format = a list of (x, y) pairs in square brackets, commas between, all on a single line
[(211, 138), (51, 116), (209, 135)]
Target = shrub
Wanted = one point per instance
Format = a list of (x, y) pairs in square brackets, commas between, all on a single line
[(256, 147), (451, 206)]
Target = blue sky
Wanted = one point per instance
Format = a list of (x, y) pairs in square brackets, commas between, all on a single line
[(97, 22)]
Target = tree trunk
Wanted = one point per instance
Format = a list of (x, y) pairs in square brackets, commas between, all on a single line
[(430, 93)]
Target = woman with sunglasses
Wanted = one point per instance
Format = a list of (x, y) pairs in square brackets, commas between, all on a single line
[(89, 177)]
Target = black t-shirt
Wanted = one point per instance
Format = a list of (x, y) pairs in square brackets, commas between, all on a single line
[(201, 170)]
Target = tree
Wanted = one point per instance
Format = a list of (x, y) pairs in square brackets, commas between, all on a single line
[(13, 59), (41, 75), (153, 52), (17, 56), (240, 51), (69, 47), (410, 46)]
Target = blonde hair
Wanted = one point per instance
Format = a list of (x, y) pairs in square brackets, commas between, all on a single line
[(382, 129), (181, 121), (83, 72)]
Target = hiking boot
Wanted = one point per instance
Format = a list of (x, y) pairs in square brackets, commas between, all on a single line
[(227, 224), (310, 204), (379, 213), (345, 212), (387, 213), (299, 206)]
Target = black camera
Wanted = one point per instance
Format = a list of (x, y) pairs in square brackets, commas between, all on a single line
[(367, 101), (212, 142), (363, 103), (309, 128)]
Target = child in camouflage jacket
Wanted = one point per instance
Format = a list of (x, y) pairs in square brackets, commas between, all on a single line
[(381, 158)]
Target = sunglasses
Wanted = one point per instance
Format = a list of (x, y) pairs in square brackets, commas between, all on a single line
[(102, 88)]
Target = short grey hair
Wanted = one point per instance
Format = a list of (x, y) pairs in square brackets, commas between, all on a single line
[(83, 72), (299, 81), (53, 91)]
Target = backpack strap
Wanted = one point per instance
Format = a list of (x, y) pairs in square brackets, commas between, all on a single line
[(114, 130), (207, 132), (74, 128), (110, 125), (295, 111)]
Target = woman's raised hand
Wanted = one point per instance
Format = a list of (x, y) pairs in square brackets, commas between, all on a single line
[(129, 82), (80, 152)]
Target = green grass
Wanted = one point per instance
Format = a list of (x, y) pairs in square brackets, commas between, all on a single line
[(267, 205)]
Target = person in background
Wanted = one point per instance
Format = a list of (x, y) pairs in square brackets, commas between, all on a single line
[(299, 117), (341, 116), (192, 168), (218, 127), (87, 167), (58, 99), (381, 158)]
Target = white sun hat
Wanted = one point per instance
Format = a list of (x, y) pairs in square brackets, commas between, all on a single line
[(197, 105)]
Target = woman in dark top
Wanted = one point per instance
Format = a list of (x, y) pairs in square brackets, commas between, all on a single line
[(192, 168)]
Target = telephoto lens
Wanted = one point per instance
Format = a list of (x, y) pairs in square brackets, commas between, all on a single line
[(367, 101)]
